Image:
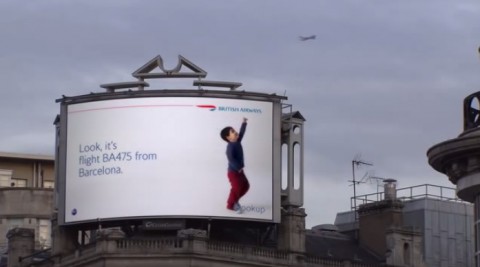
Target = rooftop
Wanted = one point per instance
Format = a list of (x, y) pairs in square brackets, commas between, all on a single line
[(26, 156)]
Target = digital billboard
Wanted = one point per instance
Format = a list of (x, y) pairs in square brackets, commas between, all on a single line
[(164, 157)]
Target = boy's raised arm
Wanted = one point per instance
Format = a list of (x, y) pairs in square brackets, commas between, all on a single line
[(242, 129)]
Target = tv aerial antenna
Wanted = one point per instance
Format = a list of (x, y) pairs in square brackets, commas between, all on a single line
[(356, 163), (379, 181)]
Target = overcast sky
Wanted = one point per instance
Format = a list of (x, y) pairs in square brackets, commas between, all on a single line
[(383, 81)]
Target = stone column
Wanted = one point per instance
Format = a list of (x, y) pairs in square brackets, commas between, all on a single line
[(106, 239), (459, 159), (64, 239), (196, 239), (292, 230), (21, 243)]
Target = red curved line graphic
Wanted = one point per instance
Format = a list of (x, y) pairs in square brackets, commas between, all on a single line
[(206, 106)]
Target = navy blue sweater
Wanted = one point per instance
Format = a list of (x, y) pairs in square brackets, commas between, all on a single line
[(235, 151)]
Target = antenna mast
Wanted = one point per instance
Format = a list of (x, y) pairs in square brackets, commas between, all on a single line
[(356, 162)]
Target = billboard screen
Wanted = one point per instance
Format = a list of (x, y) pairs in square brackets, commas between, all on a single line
[(163, 156)]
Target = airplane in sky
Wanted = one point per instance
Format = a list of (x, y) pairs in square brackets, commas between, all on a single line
[(302, 38)]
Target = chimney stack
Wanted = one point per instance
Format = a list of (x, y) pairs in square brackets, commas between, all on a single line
[(390, 189)]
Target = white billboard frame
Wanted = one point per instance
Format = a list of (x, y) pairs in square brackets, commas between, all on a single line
[(204, 99)]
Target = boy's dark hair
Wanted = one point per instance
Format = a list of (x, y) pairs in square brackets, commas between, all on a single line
[(225, 132)]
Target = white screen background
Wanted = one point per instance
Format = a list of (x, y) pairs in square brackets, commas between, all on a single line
[(185, 173)]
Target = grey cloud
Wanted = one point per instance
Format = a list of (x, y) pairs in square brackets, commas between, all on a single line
[(383, 78)]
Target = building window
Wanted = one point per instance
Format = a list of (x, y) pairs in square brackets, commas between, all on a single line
[(48, 184), (13, 223), (44, 233), (16, 182), (4, 181), (5, 178)]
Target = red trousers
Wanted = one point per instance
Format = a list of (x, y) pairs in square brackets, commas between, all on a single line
[(240, 186)]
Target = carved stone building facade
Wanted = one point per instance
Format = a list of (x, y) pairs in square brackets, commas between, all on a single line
[(26, 194)]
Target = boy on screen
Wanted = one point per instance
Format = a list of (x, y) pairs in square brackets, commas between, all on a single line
[(236, 175)]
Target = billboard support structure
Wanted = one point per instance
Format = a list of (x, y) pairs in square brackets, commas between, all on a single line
[(292, 214), (292, 137), (145, 72), (115, 106)]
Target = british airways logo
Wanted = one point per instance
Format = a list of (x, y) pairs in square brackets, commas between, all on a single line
[(211, 107), (231, 109)]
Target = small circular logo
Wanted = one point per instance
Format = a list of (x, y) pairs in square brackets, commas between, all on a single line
[(74, 212)]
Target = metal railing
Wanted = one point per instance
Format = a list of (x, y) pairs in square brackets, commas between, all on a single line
[(410, 193)]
